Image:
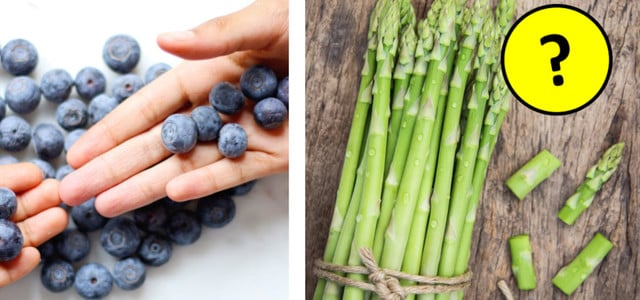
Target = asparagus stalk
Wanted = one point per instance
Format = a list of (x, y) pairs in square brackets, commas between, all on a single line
[(536, 170), (522, 262), (401, 79), (570, 277), (498, 107), (410, 110), (354, 143), (333, 290), (413, 251), (446, 154), (377, 138), (595, 178), (397, 232), (463, 174)]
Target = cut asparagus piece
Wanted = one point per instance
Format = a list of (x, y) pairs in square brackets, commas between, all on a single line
[(522, 262), (532, 173), (570, 277), (595, 178)]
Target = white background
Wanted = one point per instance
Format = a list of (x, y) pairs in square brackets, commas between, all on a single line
[(248, 259)]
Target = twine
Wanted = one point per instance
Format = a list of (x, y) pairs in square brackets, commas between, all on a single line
[(506, 291), (386, 282)]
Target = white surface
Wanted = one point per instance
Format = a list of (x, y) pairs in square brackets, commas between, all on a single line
[(248, 259)]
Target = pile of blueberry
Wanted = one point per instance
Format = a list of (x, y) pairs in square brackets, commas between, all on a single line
[(138, 239), (180, 132)]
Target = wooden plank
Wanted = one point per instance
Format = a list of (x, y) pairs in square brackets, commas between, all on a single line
[(336, 37)]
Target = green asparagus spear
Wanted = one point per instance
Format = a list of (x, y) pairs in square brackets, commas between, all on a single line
[(401, 74), (397, 232), (570, 277), (354, 144), (410, 111), (446, 154), (595, 178), (463, 174), (536, 170), (377, 138), (522, 262)]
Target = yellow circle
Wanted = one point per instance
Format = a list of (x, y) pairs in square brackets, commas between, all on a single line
[(533, 44)]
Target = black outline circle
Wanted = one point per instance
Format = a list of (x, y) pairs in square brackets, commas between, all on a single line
[(504, 46)]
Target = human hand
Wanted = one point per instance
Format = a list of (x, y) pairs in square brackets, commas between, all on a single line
[(121, 159), (38, 216)]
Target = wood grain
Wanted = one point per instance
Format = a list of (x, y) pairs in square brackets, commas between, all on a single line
[(335, 41)]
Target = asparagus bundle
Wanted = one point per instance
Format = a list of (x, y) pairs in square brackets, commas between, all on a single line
[(427, 117)]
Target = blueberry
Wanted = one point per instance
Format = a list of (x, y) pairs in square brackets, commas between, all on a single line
[(72, 137), (121, 53), (232, 140), (63, 171), (129, 273), (8, 203), (125, 86), (73, 245), (170, 204), (48, 250), (11, 240), (15, 133), (72, 114), (3, 108), (19, 57), (155, 71), (93, 281), (56, 85), (151, 217), (86, 217), (155, 250), (283, 91), (6, 159), (258, 82), (179, 133), (242, 189), (183, 227), (57, 275), (269, 113), (48, 171), (100, 106), (226, 98), (22, 95), (48, 141), (208, 123), (90, 82), (216, 210), (120, 237)]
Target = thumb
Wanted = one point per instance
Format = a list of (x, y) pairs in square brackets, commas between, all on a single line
[(256, 27)]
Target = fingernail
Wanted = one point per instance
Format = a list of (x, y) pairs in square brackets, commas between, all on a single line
[(178, 35)]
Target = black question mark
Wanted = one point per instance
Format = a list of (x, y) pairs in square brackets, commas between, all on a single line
[(555, 61)]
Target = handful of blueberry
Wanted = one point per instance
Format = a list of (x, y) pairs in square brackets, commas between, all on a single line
[(180, 133), (142, 238)]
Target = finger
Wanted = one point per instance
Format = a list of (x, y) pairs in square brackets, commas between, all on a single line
[(20, 177), (25, 262), (43, 226), (189, 81), (112, 167), (256, 27), (38, 199), (149, 185), (221, 175)]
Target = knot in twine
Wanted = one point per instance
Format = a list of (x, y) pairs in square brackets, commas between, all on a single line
[(385, 282)]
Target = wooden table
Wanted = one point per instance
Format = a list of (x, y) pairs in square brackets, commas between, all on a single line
[(336, 37)]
